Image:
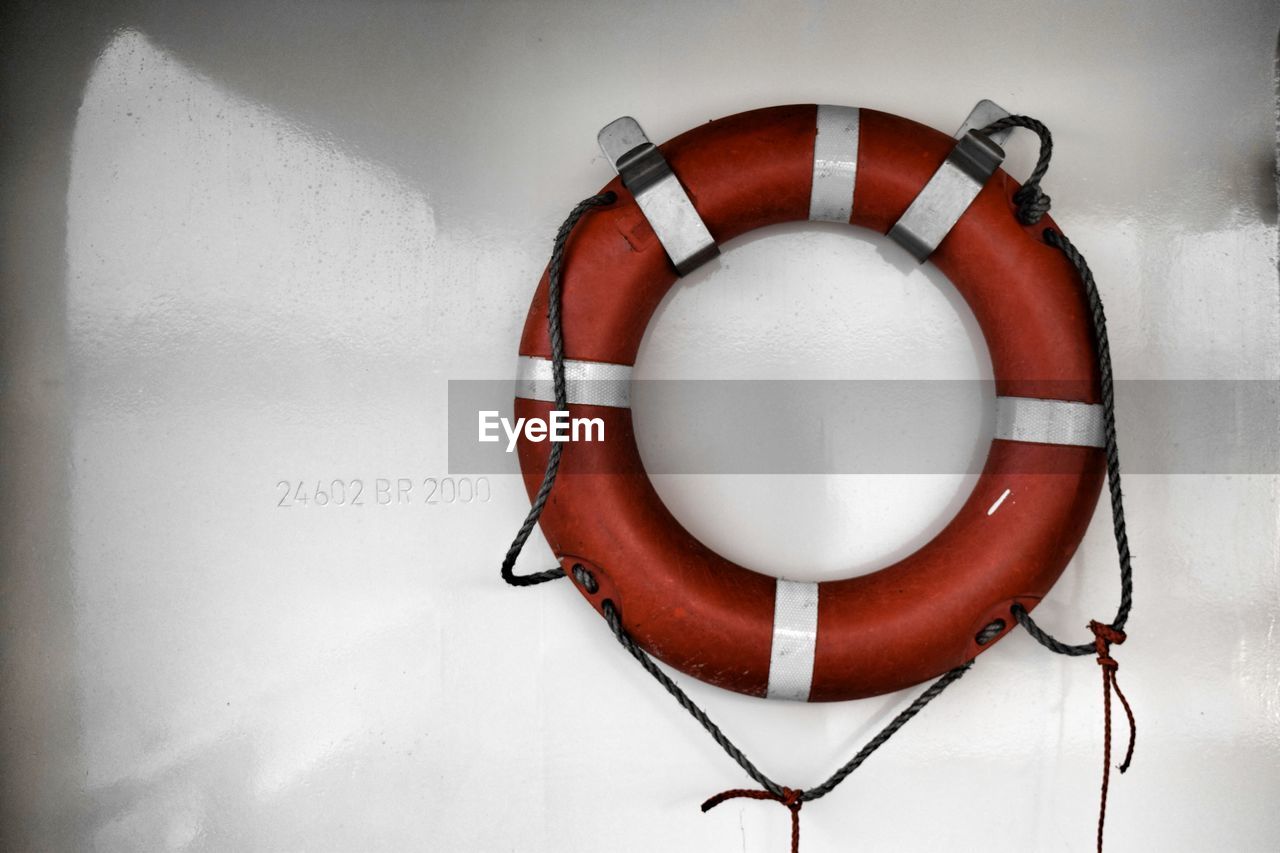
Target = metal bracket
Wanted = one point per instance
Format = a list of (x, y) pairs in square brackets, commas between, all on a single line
[(664, 202), (955, 185), (983, 113)]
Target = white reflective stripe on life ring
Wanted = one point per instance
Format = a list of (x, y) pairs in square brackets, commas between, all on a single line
[(587, 383), (835, 164), (1049, 421), (795, 636)]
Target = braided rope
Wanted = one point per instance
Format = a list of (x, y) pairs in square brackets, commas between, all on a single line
[(1033, 205), (1102, 346), (555, 278), (1032, 202)]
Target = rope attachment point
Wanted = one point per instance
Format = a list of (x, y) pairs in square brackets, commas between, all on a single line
[(789, 797), (1033, 204), (1104, 637)]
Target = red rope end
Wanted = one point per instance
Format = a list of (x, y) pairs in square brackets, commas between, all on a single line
[(792, 799), (1103, 637)]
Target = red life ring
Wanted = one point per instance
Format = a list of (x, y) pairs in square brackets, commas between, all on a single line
[(862, 636)]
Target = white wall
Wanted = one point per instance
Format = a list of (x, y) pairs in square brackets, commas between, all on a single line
[(252, 242)]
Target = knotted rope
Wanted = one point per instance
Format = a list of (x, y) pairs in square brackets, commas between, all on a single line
[(1104, 636), (793, 800)]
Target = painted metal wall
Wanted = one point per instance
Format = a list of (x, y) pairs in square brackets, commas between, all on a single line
[(249, 244)]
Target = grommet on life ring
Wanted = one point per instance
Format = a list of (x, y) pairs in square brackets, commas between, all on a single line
[(861, 636)]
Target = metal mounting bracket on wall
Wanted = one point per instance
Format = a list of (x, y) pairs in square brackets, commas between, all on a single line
[(662, 199), (955, 185)]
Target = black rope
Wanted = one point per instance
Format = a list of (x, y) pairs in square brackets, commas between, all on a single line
[(614, 619), (1033, 205), (949, 678), (615, 622), (1102, 347), (1032, 202), (555, 276)]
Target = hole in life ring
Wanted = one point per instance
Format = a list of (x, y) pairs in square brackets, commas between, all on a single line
[(585, 579), (813, 480), (990, 632)]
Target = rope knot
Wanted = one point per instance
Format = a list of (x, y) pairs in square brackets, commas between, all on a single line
[(1103, 637), (793, 799), (1033, 204)]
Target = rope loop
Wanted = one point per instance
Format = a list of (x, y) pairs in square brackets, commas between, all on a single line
[(1033, 204)]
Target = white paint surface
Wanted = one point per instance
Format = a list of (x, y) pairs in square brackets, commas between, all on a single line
[(252, 242)]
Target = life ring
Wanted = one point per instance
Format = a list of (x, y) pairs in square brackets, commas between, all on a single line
[(861, 636)]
